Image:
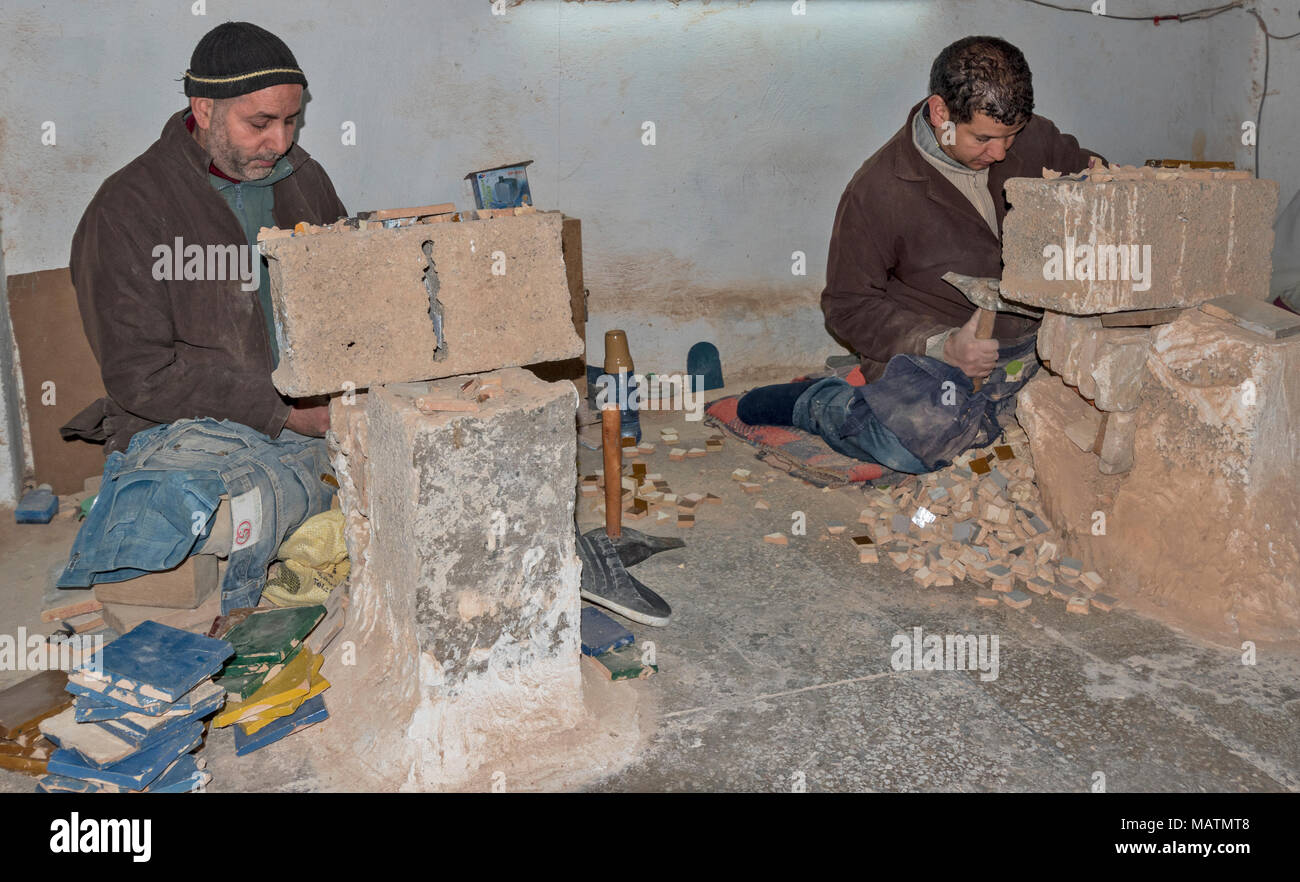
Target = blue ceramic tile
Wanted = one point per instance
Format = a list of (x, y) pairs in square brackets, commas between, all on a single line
[(168, 659), (601, 634), (180, 778), (37, 507), (310, 712), (120, 698), (64, 784), (136, 771), (142, 734), (90, 708)]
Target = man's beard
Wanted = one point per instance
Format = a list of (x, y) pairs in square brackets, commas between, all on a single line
[(229, 159)]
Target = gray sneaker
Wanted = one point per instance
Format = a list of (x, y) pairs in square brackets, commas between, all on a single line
[(606, 582)]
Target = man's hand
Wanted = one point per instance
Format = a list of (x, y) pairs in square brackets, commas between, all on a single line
[(975, 358), (309, 417)]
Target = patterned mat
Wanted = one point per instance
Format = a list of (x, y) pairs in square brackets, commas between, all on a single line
[(797, 452)]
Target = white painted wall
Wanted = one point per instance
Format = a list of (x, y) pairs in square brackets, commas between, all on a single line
[(761, 117)]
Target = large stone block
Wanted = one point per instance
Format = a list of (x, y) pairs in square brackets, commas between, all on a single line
[(1205, 527), (1084, 247), (463, 614), (359, 308)]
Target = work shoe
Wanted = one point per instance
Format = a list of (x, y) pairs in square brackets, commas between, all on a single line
[(606, 582)]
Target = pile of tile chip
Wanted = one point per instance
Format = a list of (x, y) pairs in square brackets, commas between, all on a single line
[(978, 520), (647, 492)]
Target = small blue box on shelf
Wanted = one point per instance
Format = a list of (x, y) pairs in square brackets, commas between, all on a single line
[(505, 186)]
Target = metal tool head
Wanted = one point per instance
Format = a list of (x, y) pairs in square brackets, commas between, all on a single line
[(986, 293)]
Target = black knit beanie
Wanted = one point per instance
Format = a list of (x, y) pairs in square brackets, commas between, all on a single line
[(236, 58)]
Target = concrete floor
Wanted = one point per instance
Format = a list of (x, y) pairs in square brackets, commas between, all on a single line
[(775, 671)]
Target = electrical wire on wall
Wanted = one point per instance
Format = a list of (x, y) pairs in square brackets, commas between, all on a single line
[(1201, 15)]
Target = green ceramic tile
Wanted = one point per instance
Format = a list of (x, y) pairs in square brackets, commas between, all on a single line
[(625, 664)]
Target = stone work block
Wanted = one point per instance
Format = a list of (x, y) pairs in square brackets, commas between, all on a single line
[(1235, 400), (1106, 365), (1204, 527), (463, 605), (1051, 336), (358, 308), (1083, 247)]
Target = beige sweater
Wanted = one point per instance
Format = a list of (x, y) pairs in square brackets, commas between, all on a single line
[(972, 184)]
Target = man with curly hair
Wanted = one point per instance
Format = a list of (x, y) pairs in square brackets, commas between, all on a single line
[(928, 202)]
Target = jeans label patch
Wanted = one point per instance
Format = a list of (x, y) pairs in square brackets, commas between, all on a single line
[(246, 518)]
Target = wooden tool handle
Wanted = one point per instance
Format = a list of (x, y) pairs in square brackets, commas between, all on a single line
[(611, 440), (983, 331)]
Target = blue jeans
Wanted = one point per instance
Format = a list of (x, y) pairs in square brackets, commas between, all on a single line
[(157, 500), (921, 413), (823, 409)]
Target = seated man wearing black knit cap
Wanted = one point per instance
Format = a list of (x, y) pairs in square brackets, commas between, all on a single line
[(930, 201), (177, 309)]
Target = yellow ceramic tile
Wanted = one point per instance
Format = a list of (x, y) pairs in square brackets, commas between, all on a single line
[(251, 725), (294, 680)]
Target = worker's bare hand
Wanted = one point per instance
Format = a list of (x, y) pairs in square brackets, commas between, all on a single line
[(975, 358), (309, 417)]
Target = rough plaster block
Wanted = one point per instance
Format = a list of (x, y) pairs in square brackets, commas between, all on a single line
[(1207, 239), (463, 606), (1116, 455), (1086, 358), (1079, 341), (1119, 368), (1202, 530), (1236, 396), (358, 307), (1051, 337)]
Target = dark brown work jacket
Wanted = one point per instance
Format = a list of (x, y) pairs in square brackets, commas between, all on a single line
[(901, 225), (178, 349)]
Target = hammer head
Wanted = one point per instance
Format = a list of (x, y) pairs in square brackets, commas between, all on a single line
[(986, 293)]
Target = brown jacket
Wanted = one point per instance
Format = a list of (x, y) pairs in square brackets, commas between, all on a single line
[(171, 350), (901, 225)]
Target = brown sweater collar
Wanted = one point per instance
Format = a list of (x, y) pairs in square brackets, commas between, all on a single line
[(910, 165)]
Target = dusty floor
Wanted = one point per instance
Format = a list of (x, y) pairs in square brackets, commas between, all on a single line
[(775, 672)]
